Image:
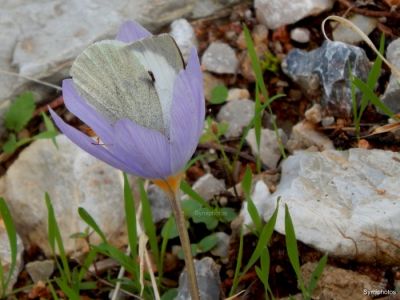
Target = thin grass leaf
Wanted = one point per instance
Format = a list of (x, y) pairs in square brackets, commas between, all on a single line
[(258, 125), (85, 216), (12, 239), (55, 239), (373, 77), (89, 259), (263, 240), (374, 99), (187, 189), (291, 247), (165, 234), (148, 223), (246, 182), (238, 265), (255, 62), (251, 124), (70, 293), (119, 256), (317, 274), (50, 127), (52, 291), (130, 214)]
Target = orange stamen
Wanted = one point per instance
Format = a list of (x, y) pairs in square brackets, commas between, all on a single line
[(171, 184)]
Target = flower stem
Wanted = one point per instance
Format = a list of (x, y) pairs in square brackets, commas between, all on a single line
[(185, 242)]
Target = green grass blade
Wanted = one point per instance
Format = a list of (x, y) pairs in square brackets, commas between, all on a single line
[(130, 214), (291, 247), (12, 238), (148, 223), (70, 293), (52, 291), (255, 62), (317, 274), (263, 240), (373, 77), (374, 99), (55, 239), (258, 113), (85, 216), (238, 266), (246, 182), (187, 189), (89, 259), (50, 127), (123, 259)]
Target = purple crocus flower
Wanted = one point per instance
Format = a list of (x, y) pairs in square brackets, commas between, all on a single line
[(136, 94)]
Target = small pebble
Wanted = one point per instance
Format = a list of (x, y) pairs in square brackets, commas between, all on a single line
[(327, 121), (220, 58), (313, 114), (300, 35), (238, 94)]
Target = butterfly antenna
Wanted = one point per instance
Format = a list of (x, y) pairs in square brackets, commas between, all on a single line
[(31, 79)]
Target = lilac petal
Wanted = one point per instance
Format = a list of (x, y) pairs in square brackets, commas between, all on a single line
[(86, 113), (195, 75), (187, 113), (88, 145), (146, 149), (131, 31)]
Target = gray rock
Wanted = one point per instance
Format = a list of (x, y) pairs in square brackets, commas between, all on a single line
[(208, 279), (5, 257), (208, 186), (220, 58), (324, 73), (305, 136), (300, 35), (276, 13), (346, 35), (269, 146), (183, 33), (222, 247), (205, 8), (337, 283), (40, 270), (73, 179), (159, 202), (391, 97), (345, 203), (41, 39), (238, 114)]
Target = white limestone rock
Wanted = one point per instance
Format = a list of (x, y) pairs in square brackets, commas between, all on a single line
[(220, 58), (346, 35), (276, 13), (208, 186), (184, 36), (269, 146), (345, 203), (304, 136), (73, 179), (238, 114), (260, 197)]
